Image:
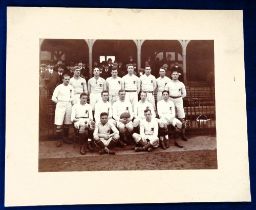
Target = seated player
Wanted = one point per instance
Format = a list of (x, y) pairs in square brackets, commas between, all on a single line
[(148, 137), (140, 107), (82, 118), (123, 115), (103, 136), (103, 106), (166, 112), (63, 96)]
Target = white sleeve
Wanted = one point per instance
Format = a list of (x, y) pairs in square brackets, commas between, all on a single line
[(85, 86), (55, 94), (142, 130), (114, 129), (155, 128), (130, 110), (152, 110), (183, 91), (96, 131), (159, 109), (90, 113), (96, 113), (173, 109), (72, 94), (110, 114)]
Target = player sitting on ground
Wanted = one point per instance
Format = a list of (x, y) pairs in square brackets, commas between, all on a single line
[(103, 136), (82, 117), (166, 112), (63, 96), (122, 113), (148, 137)]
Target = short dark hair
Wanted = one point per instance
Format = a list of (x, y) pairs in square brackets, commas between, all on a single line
[(104, 91), (65, 75), (129, 64), (147, 65), (83, 94), (102, 114), (165, 91), (147, 110)]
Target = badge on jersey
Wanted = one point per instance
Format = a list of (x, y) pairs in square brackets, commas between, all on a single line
[(108, 110), (152, 129), (134, 82), (180, 89), (165, 84), (119, 82), (127, 108), (100, 85), (86, 113), (70, 93), (151, 81), (170, 108)]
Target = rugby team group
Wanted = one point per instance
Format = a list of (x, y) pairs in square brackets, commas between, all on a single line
[(107, 113)]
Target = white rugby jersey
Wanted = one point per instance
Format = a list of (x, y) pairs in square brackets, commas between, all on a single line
[(131, 82), (140, 107), (114, 85), (148, 83), (176, 89), (104, 129), (63, 93), (100, 107), (166, 109), (81, 111), (149, 128), (162, 82), (120, 107), (79, 85), (96, 85)]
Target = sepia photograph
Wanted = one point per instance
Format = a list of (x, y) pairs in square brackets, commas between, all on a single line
[(112, 104), (125, 99)]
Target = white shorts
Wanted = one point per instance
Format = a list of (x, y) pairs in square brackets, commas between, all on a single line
[(153, 140), (169, 121), (76, 98), (151, 99), (63, 113), (94, 98), (159, 96), (132, 97), (113, 98), (178, 102), (81, 124)]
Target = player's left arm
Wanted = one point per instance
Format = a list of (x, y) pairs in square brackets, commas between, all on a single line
[(90, 113), (155, 128), (183, 91), (114, 129), (104, 85), (85, 86), (72, 95), (139, 83), (154, 84)]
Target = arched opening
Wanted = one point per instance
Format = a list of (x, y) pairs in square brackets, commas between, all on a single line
[(65, 50), (117, 50), (159, 52), (200, 61)]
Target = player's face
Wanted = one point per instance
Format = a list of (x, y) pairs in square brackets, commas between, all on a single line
[(175, 75), (130, 69), (147, 70), (122, 96), (83, 99), (114, 73), (60, 70), (96, 72), (162, 73), (165, 96), (104, 119), (143, 96), (77, 72), (105, 97), (148, 115), (66, 80)]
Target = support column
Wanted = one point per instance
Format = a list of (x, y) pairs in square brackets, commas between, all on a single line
[(138, 43), (184, 44), (90, 43)]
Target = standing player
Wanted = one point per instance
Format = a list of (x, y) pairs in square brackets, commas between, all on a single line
[(63, 96), (79, 84), (123, 115), (166, 112), (131, 85), (177, 92), (95, 86), (140, 107), (103, 106), (82, 117), (103, 136), (114, 84), (161, 82), (148, 85), (148, 137)]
